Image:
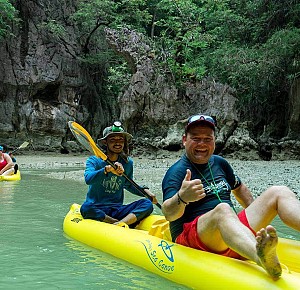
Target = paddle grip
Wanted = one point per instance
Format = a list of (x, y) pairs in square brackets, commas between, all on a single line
[(141, 190)]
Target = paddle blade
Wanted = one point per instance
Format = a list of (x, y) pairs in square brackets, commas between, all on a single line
[(85, 139), (24, 145)]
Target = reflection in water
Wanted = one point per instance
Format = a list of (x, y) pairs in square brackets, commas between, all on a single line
[(7, 192), (120, 271)]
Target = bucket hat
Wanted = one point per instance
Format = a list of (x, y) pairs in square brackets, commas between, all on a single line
[(116, 128)]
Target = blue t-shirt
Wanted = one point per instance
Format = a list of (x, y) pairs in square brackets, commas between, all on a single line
[(218, 179), (107, 189)]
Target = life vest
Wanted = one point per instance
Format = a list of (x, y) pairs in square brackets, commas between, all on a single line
[(3, 162)]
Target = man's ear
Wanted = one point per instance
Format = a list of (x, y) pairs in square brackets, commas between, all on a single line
[(184, 139)]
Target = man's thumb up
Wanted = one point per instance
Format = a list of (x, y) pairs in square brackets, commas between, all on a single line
[(188, 175)]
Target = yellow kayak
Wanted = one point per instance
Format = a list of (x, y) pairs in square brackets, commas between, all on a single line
[(13, 177), (150, 247)]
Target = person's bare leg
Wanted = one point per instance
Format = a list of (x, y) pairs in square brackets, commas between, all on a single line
[(220, 229), (8, 172), (129, 219), (276, 200), (267, 241), (288, 207)]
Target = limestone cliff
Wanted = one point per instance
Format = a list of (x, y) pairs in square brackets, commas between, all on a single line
[(44, 84)]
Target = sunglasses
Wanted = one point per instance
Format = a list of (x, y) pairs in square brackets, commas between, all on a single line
[(201, 117), (210, 121)]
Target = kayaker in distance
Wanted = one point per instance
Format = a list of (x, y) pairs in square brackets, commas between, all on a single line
[(196, 193), (6, 163), (5, 150), (13, 158), (105, 196)]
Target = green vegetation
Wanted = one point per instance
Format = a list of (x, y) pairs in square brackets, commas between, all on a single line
[(251, 45), (7, 17)]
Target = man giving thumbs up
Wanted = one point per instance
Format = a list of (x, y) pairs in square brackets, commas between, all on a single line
[(196, 193)]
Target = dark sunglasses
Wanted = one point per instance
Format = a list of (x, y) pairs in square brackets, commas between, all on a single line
[(201, 117)]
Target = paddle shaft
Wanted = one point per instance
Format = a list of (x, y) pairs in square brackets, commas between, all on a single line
[(15, 150), (24, 145), (141, 190)]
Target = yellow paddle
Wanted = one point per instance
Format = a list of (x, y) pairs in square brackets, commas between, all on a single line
[(23, 145), (85, 139)]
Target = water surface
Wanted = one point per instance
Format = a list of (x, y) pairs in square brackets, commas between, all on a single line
[(36, 254)]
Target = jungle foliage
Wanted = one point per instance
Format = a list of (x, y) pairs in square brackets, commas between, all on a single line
[(251, 45), (7, 17)]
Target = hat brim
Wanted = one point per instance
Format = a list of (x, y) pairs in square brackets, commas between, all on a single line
[(127, 136)]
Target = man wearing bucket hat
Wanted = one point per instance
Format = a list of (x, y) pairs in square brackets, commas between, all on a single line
[(196, 193), (6, 163), (105, 196)]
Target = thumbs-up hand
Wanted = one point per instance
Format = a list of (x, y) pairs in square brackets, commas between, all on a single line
[(191, 190)]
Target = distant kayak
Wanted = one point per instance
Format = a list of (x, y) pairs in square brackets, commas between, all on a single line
[(150, 247), (13, 177)]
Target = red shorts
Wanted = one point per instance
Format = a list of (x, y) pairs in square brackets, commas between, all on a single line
[(189, 237)]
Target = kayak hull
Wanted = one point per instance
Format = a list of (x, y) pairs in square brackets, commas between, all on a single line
[(13, 177), (149, 247)]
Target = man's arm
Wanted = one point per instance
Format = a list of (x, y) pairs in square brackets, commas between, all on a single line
[(91, 174), (172, 209), (243, 195), (190, 190)]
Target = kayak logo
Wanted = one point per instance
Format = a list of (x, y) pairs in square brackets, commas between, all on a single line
[(76, 220), (167, 250), (160, 255)]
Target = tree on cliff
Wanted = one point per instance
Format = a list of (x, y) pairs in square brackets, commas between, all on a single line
[(7, 17)]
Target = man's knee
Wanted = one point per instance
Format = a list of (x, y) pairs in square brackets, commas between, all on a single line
[(89, 212), (223, 209), (276, 191), (145, 209)]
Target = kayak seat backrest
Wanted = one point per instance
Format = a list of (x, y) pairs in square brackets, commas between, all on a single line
[(160, 229)]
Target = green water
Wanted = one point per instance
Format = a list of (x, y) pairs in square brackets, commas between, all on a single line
[(36, 254)]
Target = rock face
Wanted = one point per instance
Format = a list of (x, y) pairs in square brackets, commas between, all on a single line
[(294, 124), (153, 106), (43, 85), (155, 111)]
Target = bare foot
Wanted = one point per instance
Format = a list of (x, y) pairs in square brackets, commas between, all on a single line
[(267, 240), (110, 220)]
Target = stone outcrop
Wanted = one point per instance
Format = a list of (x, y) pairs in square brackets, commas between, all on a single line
[(155, 111), (43, 83), (153, 106)]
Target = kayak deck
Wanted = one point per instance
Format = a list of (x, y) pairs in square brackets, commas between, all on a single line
[(150, 247)]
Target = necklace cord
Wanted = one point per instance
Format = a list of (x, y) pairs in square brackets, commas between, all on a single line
[(213, 186)]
